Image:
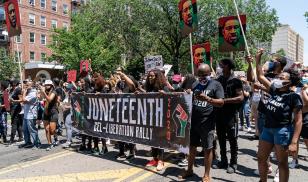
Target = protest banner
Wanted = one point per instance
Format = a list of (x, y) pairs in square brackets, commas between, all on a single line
[(6, 100), (153, 62), (12, 18), (188, 16), (167, 68), (202, 54), (152, 119), (71, 75), (230, 34)]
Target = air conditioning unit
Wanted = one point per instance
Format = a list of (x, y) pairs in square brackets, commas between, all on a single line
[(31, 3)]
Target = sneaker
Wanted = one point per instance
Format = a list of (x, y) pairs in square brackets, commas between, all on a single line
[(232, 168), (28, 146), (183, 163), (160, 165), (108, 142), (103, 151), (120, 156), (49, 148), (130, 157), (220, 165), (95, 151), (293, 164), (276, 179), (82, 148), (241, 128), (66, 145), (248, 129), (152, 163)]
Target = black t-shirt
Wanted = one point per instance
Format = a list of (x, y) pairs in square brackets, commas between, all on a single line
[(265, 96), (15, 107), (279, 108), (246, 88), (230, 85), (203, 112)]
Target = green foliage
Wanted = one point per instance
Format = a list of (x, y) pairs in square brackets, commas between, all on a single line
[(306, 15), (8, 68), (105, 29), (281, 52)]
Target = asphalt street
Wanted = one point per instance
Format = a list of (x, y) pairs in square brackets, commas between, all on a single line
[(69, 165)]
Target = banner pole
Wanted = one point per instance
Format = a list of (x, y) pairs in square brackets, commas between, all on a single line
[(19, 64), (191, 55), (241, 25)]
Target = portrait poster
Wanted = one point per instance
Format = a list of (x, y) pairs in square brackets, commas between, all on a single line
[(84, 66), (188, 16), (230, 34), (153, 62), (202, 54), (71, 75), (12, 18)]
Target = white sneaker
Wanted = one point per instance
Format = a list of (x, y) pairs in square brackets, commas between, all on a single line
[(66, 144), (276, 179), (108, 142), (293, 164), (248, 129)]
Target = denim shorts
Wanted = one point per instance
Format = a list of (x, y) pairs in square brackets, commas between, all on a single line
[(278, 136)]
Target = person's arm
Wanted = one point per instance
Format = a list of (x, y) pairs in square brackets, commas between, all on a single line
[(260, 75), (304, 96), (297, 130), (213, 73), (250, 73), (212, 101), (128, 81), (237, 99), (48, 98)]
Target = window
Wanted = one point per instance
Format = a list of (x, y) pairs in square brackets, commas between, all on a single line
[(32, 2), (31, 19), (65, 9), (65, 26), (16, 56), (43, 56), (18, 39), (54, 23), (32, 37), (32, 55), (43, 39), (43, 21), (54, 5), (43, 4)]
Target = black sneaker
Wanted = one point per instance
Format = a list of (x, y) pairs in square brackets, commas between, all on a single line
[(103, 151), (28, 146), (82, 148), (232, 168), (25, 145), (130, 157), (220, 165), (120, 156)]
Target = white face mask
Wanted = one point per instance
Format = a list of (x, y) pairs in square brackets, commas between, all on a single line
[(218, 71), (278, 83), (204, 80)]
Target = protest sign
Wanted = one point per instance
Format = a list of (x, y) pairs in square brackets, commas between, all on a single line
[(12, 18), (188, 16), (152, 119), (202, 54), (167, 68), (153, 62), (6, 100), (230, 34), (84, 66), (71, 75)]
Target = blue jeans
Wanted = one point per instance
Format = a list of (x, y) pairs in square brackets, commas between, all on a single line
[(30, 129), (3, 124), (245, 111)]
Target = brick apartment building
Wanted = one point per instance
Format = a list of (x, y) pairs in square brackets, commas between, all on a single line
[(38, 19)]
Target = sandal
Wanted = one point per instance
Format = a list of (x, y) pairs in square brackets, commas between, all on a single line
[(206, 179), (186, 174)]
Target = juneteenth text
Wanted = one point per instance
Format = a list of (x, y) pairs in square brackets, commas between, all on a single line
[(126, 116)]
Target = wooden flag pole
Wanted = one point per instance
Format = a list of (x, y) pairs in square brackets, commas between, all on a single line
[(19, 64), (241, 25), (191, 55)]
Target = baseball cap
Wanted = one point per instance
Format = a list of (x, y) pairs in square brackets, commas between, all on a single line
[(48, 82), (177, 78)]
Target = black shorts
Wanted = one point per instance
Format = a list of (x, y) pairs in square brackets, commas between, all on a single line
[(52, 117), (304, 132), (202, 135)]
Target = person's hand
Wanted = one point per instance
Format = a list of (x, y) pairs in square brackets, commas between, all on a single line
[(292, 149), (136, 92), (259, 53), (188, 91), (249, 59), (162, 92), (203, 97)]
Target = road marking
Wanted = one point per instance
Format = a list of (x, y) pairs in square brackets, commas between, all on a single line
[(31, 163), (120, 175)]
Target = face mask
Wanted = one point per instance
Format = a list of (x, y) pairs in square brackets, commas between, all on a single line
[(304, 80), (204, 80), (218, 71)]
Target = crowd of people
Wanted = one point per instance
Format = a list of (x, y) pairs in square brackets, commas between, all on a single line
[(274, 99)]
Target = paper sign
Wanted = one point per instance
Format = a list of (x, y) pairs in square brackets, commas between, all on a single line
[(153, 62), (12, 18), (84, 66), (230, 34), (71, 75), (167, 68), (6, 100), (239, 73), (188, 16), (202, 54)]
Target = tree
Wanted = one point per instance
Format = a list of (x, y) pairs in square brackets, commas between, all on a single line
[(8, 68), (104, 30), (306, 15), (281, 52)]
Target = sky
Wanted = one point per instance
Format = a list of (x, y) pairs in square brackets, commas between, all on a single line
[(292, 12)]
